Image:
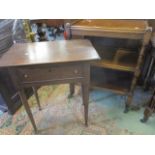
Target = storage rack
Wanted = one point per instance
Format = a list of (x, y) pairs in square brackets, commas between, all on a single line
[(117, 59)]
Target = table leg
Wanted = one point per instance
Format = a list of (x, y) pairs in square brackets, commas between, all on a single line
[(148, 73), (147, 114), (72, 89), (128, 102), (27, 108), (85, 96), (137, 72), (37, 97), (149, 109)]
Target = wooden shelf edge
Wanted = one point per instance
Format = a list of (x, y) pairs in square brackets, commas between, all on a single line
[(119, 60), (121, 91), (106, 64)]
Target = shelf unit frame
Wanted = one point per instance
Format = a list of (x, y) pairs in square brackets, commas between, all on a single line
[(123, 29)]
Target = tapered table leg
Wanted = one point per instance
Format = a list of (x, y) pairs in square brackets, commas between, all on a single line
[(85, 91), (128, 102), (27, 108), (72, 89), (37, 97), (85, 96)]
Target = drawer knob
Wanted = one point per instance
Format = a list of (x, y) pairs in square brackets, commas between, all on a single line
[(25, 76), (75, 71)]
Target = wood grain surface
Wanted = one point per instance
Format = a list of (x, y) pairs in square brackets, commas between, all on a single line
[(22, 54)]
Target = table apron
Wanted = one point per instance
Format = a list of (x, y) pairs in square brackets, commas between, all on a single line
[(29, 76), (54, 81)]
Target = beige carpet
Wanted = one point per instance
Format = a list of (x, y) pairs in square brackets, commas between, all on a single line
[(62, 115)]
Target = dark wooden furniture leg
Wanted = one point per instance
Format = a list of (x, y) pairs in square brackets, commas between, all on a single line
[(149, 109), (27, 108), (72, 89), (148, 73), (85, 92), (85, 96), (37, 97), (147, 114), (6, 96), (134, 81), (137, 69)]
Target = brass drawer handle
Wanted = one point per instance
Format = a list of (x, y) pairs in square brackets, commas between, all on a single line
[(75, 71), (25, 76)]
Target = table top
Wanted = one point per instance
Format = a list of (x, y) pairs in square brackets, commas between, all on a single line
[(135, 26), (63, 51)]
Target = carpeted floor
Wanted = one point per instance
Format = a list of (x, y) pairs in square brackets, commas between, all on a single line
[(62, 115)]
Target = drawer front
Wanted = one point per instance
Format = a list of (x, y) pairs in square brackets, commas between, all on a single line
[(44, 73)]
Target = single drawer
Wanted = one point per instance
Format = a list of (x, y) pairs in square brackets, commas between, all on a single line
[(49, 72)]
